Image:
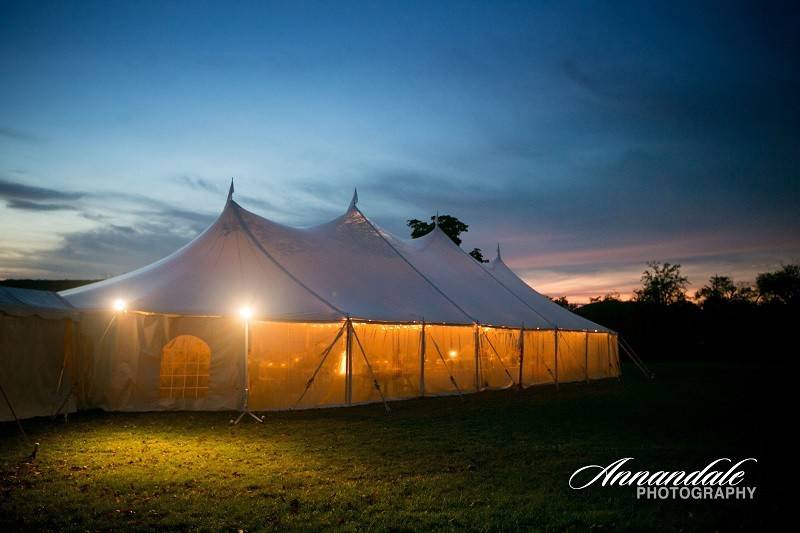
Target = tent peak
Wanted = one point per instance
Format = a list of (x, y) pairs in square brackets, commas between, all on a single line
[(354, 201), (230, 191)]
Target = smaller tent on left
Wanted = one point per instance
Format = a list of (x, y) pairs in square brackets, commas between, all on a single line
[(37, 347)]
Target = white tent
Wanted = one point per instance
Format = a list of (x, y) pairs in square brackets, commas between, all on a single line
[(343, 313), (37, 345)]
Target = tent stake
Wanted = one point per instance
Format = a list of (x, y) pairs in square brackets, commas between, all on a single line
[(633, 357), (631, 351), (19, 424)]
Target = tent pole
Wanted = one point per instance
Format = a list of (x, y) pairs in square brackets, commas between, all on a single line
[(371, 372), (631, 352), (555, 335), (521, 352), (422, 360), (68, 345), (245, 408), (67, 339), (452, 379), (19, 424), (63, 404), (626, 349), (477, 341), (348, 394), (499, 360), (586, 357), (324, 354)]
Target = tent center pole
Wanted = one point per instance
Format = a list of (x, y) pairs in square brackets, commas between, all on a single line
[(521, 352), (586, 357), (476, 332), (555, 336), (246, 396), (348, 393), (422, 360)]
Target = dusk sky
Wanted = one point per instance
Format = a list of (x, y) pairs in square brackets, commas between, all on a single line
[(587, 139)]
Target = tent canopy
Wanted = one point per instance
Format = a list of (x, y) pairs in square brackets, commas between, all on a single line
[(28, 302), (346, 267)]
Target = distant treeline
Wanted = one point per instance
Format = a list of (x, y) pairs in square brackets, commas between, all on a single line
[(54, 285), (725, 319)]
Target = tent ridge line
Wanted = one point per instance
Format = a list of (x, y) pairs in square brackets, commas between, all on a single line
[(409, 263), (501, 283), (264, 251), (512, 293)]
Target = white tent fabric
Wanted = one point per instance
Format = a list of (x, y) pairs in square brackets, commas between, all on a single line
[(216, 274), (36, 342), (343, 313), (353, 266), (461, 277), (348, 266), (27, 302), (556, 315)]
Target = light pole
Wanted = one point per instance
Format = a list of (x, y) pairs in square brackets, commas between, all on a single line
[(246, 313)]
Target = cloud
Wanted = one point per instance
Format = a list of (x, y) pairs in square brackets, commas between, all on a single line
[(199, 183), (27, 205), (284, 210), (21, 191), (108, 250), (152, 229)]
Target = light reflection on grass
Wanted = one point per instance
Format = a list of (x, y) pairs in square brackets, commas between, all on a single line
[(497, 460)]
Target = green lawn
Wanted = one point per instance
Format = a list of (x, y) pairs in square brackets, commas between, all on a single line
[(492, 461)]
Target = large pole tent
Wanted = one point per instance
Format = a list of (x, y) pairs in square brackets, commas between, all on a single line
[(338, 314)]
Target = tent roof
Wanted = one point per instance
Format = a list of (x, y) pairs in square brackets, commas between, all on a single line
[(217, 273), (556, 315), (458, 275), (348, 266), (28, 302)]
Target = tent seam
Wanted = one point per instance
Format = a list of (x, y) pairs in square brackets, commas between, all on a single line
[(501, 283), (423, 276), (280, 266)]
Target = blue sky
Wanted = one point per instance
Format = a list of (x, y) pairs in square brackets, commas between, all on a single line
[(587, 138)]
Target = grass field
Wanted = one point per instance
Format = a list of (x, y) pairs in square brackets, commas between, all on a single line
[(492, 461)]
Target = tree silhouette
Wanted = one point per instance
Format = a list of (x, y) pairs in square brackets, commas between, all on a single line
[(477, 254), (722, 290), (662, 284), (781, 286), (607, 297), (452, 227), (563, 302), (448, 224)]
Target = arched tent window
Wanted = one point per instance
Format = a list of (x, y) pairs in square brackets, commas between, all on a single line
[(185, 363)]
